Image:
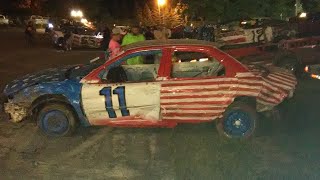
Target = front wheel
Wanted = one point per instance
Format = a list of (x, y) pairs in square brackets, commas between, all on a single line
[(239, 121), (57, 120)]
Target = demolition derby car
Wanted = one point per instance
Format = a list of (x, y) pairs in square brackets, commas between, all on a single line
[(151, 84), (80, 37)]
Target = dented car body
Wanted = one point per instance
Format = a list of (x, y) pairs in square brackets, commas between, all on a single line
[(180, 81)]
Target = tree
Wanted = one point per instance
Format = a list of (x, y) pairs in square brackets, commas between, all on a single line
[(167, 16)]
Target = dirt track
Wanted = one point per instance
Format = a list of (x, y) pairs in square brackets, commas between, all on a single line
[(287, 151)]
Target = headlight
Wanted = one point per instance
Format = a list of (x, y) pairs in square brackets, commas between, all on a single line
[(50, 25)]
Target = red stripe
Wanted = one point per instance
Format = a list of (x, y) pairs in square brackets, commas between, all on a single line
[(209, 115), (195, 90), (291, 77), (283, 79), (250, 78), (271, 97), (284, 82), (209, 90), (195, 109), (198, 102), (278, 83), (194, 121), (268, 100), (197, 96)]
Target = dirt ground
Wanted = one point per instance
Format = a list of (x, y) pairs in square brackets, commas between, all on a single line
[(288, 149)]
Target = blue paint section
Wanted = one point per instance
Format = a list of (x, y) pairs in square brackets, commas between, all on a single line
[(70, 89), (48, 82), (106, 92), (237, 123), (48, 75), (120, 91)]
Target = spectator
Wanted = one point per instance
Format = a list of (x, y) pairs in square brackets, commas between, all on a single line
[(134, 36), (149, 33), (106, 38), (67, 40), (162, 33), (29, 33), (114, 45)]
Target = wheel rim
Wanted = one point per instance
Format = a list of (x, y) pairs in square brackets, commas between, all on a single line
[(55, 122), (238, 124)]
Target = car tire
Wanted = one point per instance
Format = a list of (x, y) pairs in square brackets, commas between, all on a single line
[(57, 120), (239, 121)]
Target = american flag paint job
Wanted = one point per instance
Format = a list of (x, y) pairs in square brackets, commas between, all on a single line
[(189, 100), (207, 99)]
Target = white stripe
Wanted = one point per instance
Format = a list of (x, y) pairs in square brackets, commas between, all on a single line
[(282, 82), (247, 74), (192, 93), (278, 84), (200, 81), (213, 93), (288, 76), (260, 101), (195, 100), (282, 78), (233, 85)]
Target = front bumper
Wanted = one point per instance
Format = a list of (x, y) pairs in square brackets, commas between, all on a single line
[(3, 115)]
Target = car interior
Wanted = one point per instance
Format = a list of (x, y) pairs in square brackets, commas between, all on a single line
[(184, 65)]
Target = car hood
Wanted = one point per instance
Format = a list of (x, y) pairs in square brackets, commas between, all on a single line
[(45, 76)]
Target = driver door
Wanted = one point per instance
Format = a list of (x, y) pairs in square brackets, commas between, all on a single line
[(118, 101)]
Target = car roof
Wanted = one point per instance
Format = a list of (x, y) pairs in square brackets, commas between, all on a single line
[(169, 42)]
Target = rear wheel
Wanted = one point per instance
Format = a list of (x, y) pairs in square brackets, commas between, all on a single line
[(57, 120), (239, 121)]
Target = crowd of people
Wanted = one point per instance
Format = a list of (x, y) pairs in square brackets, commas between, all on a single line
[(114, 39)]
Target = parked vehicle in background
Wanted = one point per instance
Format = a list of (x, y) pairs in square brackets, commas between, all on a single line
[(3, 20), (297, 55), (40, 23), (254, 30), (308, 24), (81, 36)]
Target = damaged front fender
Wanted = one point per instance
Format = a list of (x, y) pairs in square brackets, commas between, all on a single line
[(17, 111)]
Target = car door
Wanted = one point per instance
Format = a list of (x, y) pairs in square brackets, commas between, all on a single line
[(198, 89), (137, 99)]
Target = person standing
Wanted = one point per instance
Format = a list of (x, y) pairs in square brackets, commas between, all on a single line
[(29, 33), (133, 37), (106, 38), (114, 45)]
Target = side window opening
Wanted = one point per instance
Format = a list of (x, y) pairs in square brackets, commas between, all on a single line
[(137, 67), (195, 64)]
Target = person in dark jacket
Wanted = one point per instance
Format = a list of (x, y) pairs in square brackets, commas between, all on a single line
[(106, 39), (29, 33)]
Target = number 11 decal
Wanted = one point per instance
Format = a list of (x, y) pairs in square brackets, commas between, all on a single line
[(120, 91)]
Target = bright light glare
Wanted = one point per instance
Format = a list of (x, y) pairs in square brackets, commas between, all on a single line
[(50, 25), (203, 59), (77, 13), (84, 21), (303, 15), (161, 2)]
